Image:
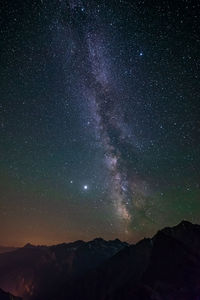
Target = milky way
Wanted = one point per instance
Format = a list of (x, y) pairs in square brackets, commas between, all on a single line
[(106, 109)]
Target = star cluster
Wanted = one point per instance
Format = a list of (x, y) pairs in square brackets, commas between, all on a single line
[(99, 119)]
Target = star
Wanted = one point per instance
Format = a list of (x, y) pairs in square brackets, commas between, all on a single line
[(121, 119)]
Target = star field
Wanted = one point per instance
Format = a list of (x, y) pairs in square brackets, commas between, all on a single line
[(99, 119)]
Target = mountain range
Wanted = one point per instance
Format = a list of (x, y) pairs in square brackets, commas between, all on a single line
[(165, 267)]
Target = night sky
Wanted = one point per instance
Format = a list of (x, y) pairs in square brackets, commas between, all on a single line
[(100, 110)]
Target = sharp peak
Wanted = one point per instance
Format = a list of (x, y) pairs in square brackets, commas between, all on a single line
[(29, 245), (184, 223), (96, 240), (100, 239), (181, 226), (69, 243)]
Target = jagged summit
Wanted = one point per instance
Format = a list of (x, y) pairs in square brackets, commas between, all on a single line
[(185, 223), (163, 267), (78, 243), (29, 245)]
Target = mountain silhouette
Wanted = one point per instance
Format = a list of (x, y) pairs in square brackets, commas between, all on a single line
[(35, 272), (165, 267)]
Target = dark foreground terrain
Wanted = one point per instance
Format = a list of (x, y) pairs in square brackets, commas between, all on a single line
[(7, 296), (165, 267)]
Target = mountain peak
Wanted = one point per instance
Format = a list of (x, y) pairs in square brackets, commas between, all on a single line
[(179, 227), (98, 239), (29, 245), (185, 223)]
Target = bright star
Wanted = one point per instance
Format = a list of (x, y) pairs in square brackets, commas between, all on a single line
[(85, 187)]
